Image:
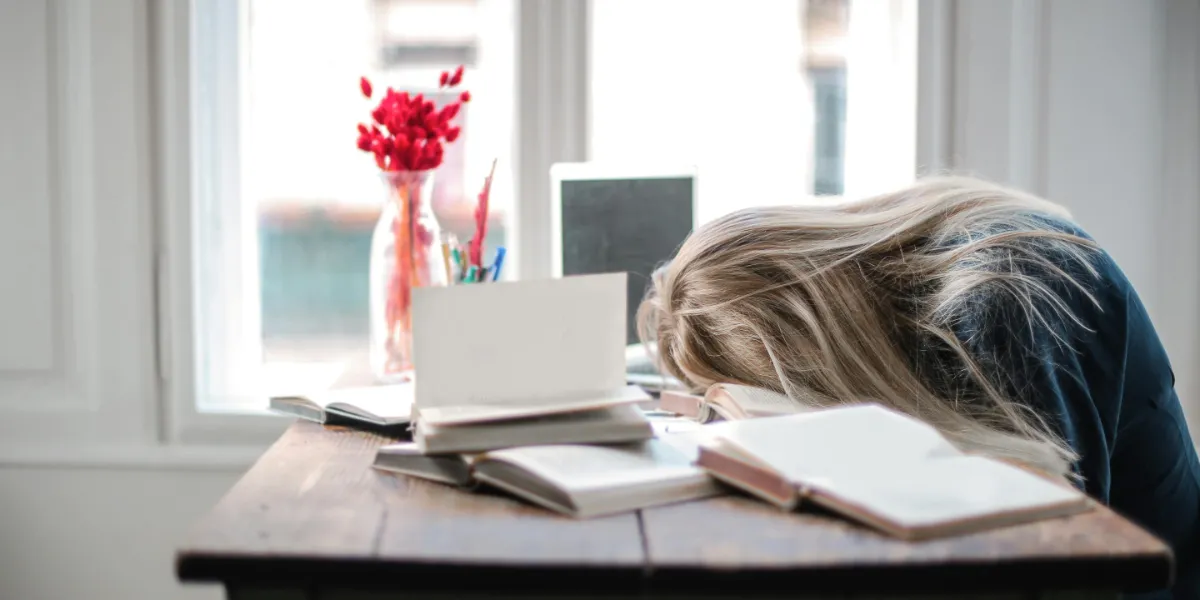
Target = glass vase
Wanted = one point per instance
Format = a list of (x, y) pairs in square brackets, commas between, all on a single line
[(406, 253)]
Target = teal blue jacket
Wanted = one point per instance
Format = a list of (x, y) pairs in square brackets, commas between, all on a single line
[(1110, 393)]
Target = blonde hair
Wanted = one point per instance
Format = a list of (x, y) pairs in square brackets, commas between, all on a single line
[(837, 304)]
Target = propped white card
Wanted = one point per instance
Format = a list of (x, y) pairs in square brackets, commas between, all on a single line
[(507, 350)]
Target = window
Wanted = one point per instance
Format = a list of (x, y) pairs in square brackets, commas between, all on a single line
[(774, 102), (757, 95), (285, 237)]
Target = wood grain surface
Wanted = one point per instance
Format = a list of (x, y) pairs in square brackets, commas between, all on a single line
[(735, 538), (313, 509), (312, 512)]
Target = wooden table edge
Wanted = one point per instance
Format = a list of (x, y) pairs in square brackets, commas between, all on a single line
[(1129, 574), (433, 575)]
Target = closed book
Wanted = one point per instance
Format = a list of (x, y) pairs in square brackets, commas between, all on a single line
[(407, 458), (612, 424)]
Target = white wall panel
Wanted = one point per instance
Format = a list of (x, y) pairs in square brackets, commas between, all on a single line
[(28, 201), (76, 253)]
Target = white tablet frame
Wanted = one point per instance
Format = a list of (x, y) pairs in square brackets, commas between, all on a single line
[(593, 171)]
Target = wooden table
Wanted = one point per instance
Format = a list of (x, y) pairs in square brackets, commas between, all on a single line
[(312, 519)]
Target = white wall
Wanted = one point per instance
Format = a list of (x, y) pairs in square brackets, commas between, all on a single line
[(1080, 101), (658, 77), (1100, 125), (72, 533), (78, 376)]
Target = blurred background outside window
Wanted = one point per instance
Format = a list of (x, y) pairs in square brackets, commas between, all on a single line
[(764, 97)]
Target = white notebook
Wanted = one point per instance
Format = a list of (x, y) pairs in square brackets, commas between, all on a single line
[(515, 350)]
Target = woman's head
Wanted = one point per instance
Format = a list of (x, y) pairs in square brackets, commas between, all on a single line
[(864, 302)]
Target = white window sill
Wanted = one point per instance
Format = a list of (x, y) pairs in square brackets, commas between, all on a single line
[(220, 458)]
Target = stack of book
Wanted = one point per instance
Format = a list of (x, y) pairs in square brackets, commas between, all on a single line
[(518, 364), (532, 399), (579, 480)]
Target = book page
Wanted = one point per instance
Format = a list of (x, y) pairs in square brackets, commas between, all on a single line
[(575, 468), (485, 413), (937, 492), (385, 403), (519, 343), (859, 441), (672, 424)]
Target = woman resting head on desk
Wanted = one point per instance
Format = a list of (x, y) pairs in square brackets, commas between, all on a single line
[(982, 310)]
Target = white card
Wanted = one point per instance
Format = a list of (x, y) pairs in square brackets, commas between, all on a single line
[(523, 343)]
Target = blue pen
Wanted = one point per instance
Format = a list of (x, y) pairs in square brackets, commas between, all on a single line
[(497, 263)]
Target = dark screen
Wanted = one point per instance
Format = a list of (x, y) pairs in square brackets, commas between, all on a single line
[(630, 225)]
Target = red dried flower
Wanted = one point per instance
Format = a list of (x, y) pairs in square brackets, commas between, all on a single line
[(475, 246), (365, 85), (414, 130)]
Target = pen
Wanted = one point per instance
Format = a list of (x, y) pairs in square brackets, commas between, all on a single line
[(499, 262), (446, 263), (462, 270), (471, 273)]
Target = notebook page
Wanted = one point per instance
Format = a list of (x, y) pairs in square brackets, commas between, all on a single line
[(945, 491), (855, 441), (520, 342)]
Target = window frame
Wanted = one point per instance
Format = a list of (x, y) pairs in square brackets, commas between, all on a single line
[(550, 126)]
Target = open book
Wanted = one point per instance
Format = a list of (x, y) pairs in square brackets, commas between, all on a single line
[(883, 469), (729, 402), (370, 407), (582, 480), (522, 363)]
